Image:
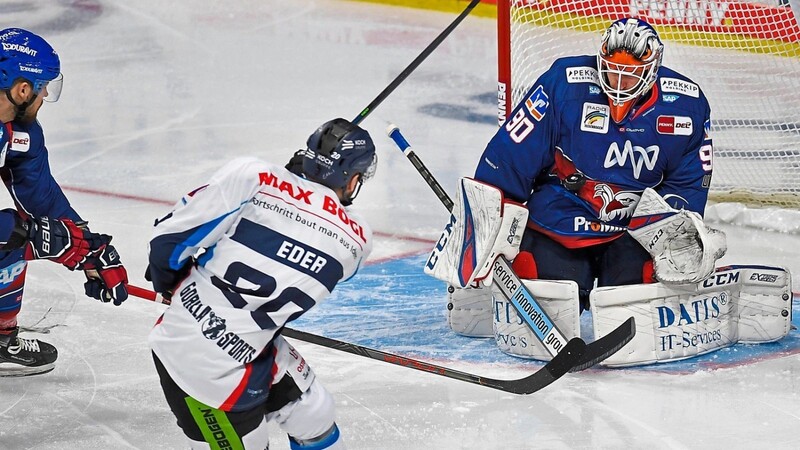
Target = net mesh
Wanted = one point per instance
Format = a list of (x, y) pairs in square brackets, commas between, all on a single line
[(745, 57)]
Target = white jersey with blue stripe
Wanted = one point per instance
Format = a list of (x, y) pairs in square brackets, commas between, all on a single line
[(268, 245)]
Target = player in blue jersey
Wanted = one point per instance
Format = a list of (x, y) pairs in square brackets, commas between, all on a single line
[(241, 257), (43, 225), (587, 140), (591, 134)]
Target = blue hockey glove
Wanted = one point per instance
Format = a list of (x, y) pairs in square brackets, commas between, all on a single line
[(106, 277)]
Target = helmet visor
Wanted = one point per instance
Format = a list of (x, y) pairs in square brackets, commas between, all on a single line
[(52, 89), (369, 172)]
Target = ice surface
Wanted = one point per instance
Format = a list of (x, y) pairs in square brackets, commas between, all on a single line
[(159, 94)]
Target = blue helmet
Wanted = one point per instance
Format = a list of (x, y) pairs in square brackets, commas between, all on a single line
[(338, 150), (27, 56)]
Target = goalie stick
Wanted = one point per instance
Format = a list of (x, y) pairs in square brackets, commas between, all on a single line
[(528, 308), (553, 370)]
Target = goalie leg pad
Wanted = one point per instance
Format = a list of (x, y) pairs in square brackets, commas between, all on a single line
[(469, 311), (558, 298), (673, 322), (765, 304)]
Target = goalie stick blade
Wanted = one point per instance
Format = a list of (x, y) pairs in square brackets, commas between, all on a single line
[(607, 345), (562, 363)]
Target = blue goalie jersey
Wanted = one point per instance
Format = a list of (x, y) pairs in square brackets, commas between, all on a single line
[(580, 173)]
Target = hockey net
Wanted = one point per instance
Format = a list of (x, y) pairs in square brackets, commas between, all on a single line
[(744, 55)]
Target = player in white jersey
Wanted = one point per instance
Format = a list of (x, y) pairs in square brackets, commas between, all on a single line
[(242, 256)]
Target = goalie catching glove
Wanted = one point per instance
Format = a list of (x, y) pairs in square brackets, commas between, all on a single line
[(683, 248), (483, 226)]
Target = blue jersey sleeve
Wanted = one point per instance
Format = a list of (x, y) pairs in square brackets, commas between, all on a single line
[(7, 221), (7, 224), (28, 177), (523, 147), (687, 179)]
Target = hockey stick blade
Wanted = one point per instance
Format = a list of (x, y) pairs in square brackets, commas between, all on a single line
[(562, 363), (607, 345), (555, 369)]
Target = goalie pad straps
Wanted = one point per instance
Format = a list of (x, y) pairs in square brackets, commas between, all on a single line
[(683, 248), (482, 227), (469, 311)]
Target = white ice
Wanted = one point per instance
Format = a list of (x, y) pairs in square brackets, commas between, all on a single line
[(159, 94)]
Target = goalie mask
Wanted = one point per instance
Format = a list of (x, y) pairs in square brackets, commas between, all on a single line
[(335, 152), (628, 63)]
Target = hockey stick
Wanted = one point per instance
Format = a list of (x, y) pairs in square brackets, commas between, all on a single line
[(147, 294), (528, 308), (552, 371), (411, 67)]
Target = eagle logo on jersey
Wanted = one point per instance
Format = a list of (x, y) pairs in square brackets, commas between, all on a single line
[(610, 202), (615, 205)]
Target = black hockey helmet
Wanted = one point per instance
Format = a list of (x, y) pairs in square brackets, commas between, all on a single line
[(336, 151)]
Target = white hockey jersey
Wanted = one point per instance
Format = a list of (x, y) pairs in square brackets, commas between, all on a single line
[(268, 246)]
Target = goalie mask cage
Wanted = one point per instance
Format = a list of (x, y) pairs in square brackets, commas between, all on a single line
[(744, 55)]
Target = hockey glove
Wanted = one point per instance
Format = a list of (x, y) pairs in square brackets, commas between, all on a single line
[(295, 164), (165, 280), (57, 240), (683, 248), (106, 277)]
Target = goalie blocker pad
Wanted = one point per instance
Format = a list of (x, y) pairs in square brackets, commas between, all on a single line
[(482, 227), (748, 304), (558, 298)]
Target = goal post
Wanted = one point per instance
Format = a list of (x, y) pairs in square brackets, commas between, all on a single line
[(745, 55)]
